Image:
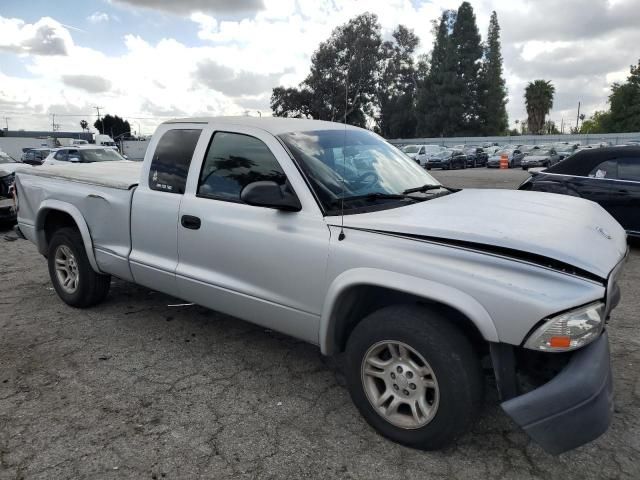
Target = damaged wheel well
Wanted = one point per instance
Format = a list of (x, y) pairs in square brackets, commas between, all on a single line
[(359, 301)]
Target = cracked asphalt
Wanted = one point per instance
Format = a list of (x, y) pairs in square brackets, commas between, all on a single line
[(136, 388)]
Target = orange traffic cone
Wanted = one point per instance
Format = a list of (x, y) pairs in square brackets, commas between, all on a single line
[(504, 162)]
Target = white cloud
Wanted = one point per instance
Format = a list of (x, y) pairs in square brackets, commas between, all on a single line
[(45, 37), (253, 46), (98, 17)]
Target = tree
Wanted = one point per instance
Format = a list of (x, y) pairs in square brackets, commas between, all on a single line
[(598, 123), (113, 126), (538, 99), (343, 77), (436, 112), (397, 86), (493, 92), (84, 125), (448, 97), (550, 128), (467, 49), (624, 115)]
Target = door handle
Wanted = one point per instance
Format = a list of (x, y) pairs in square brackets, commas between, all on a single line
[(190, 222)]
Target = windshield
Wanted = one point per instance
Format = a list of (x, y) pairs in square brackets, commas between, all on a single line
[(357, 161), (443, 154), (433, 148), (99, 155), (411, 149), (504, 152)]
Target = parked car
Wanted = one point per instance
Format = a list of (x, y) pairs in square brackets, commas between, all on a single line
[(565, 149), (420, 285), (449, 159), (8, 166), (609, 176), (82, 154), (515, 158), (476, 157), (35, 156), (542, 157), (422, 153)]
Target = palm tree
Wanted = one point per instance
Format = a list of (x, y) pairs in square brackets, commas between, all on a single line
[(84, 125), (538, 97)]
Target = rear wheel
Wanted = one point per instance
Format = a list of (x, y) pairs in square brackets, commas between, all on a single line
[(72, 276), (414, 376)]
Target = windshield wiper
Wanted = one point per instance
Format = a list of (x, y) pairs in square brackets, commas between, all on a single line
[(427, 187)]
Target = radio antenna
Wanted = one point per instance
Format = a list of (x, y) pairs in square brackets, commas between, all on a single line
[(341, 236)]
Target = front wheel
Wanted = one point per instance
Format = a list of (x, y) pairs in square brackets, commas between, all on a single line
[(72, 276), (414, 376)]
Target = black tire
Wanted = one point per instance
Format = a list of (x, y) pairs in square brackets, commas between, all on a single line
[(449, 353), (92, 287)]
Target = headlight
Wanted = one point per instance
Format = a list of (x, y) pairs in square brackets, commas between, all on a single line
[(569, 330)]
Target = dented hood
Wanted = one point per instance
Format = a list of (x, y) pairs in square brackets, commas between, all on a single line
[(566, 229)]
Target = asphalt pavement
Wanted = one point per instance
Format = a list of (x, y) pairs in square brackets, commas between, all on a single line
[(143, 386)]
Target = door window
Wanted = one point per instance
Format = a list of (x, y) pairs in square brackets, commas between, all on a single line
[(608, 169), (233, 161), (629, 169), (171, 159)]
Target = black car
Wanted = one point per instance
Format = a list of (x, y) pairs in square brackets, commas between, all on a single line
[(476, 157), (609, 176), (34, 156), (449, 159)]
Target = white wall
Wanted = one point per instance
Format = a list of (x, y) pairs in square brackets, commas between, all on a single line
[(14, 145)]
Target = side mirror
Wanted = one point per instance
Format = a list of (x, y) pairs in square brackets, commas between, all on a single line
[(271, 195), (73, 159)]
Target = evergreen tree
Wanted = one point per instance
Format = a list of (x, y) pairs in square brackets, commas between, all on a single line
[(468, 55), (493, 93), (436, 112), (397, 85)]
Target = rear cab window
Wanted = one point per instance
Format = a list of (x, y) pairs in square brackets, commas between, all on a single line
[(171, 160)]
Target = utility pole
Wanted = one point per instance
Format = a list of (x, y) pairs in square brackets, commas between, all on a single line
[(53, 125), (6, 120), (578, 116), (99, 120)]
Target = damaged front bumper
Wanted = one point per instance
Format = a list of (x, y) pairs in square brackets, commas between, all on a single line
[(7, 211), (573, 408)]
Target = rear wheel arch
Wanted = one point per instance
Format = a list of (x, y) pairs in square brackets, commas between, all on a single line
[(354, 302), (54, 215)]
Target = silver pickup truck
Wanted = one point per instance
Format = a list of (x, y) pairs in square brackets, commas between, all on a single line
[(331, 235)]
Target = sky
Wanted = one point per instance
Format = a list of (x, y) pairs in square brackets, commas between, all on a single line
[(151, 60)]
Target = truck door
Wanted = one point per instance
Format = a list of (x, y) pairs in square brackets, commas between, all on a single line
[(156, 205), (260, 264)]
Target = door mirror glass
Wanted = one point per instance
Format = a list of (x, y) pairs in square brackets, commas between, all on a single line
[(271, 195)]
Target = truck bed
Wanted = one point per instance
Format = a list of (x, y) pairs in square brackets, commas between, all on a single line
[(101, 193), (121, 175)]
